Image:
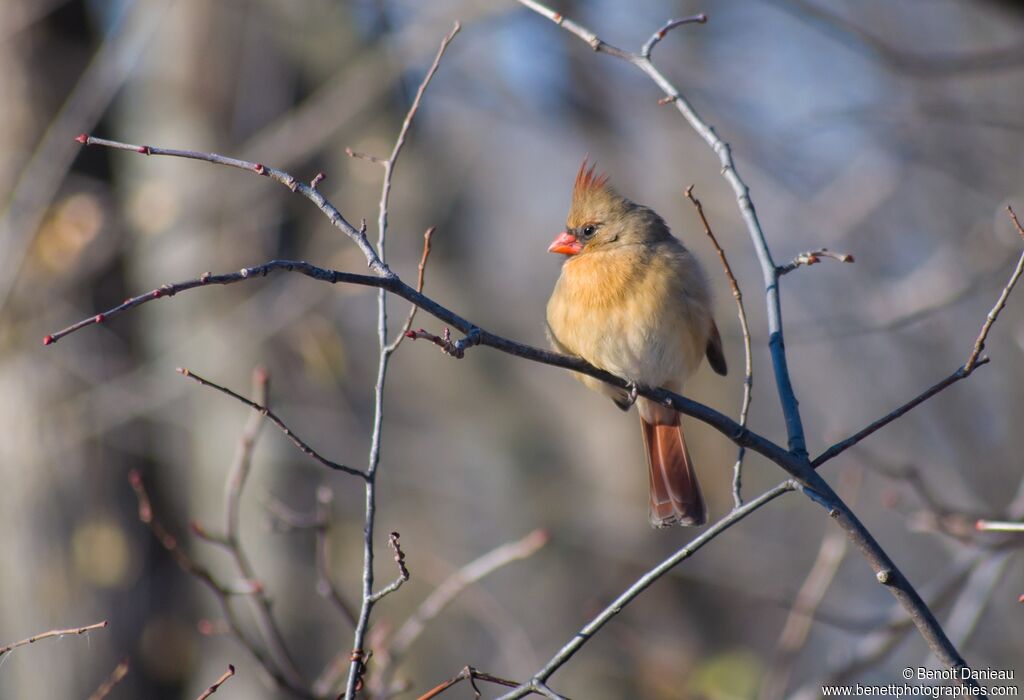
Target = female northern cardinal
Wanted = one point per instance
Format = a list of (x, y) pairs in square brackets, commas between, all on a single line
[(633, 301)]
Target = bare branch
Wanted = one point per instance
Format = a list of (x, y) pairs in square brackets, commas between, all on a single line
[(421, 270), (748, 377), (813, 257), (885, 420), (364, 156), (115, 677), (51, 634), (218, 683), (263, 410), (979, 344), (468, 673)]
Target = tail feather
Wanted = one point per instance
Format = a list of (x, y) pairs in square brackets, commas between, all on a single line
[(675, 494)]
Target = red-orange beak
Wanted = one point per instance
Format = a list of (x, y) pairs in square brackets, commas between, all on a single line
[(566, 244)]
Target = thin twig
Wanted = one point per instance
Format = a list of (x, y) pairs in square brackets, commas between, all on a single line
[(641, 584), (218, 683), (669, 26), (885, 420), (813, 257), (403, 570), (454, 348), (364, 156), (358, 657), (421, 271), (748, 377), (979, 344), (115, 677), (273, 417), (51, 634), (470, 674)]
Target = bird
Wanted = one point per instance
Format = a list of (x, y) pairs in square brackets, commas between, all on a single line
[(633, 301)]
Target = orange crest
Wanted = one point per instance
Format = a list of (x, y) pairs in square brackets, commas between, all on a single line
[(587, 180), (592, 197)]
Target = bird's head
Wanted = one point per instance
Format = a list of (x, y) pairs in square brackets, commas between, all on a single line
[(600, 217)]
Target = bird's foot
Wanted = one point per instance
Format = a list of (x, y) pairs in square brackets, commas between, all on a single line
[(634, 392)]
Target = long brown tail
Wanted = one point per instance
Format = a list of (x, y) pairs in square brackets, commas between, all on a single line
[(675, 494)]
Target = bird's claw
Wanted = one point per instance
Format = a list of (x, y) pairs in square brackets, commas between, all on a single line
[(634, 392)]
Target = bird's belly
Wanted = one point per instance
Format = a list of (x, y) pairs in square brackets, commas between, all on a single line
[(647, 356), (649, 351)]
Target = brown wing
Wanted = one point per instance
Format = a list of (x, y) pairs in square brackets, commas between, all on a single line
[(714, 352)]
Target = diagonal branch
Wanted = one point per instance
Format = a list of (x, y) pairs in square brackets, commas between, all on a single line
[(50, 635), (974, 361), (421, 272), (641, 584), (273, 417)]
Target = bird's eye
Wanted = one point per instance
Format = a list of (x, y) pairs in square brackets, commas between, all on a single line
[(589, 230)]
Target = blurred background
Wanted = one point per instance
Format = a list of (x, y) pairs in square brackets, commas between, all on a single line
[(891, 131)]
